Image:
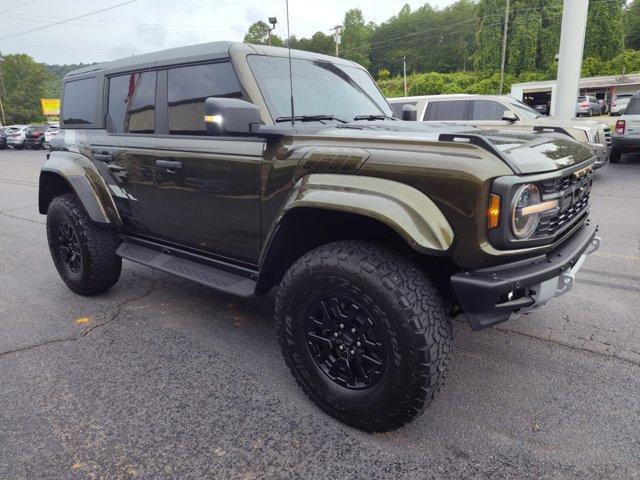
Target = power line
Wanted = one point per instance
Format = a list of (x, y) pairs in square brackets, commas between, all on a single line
[(17, 6), (68, 20)]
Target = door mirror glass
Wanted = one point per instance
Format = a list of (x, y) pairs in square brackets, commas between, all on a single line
[(409, 113), (509, 116), (230, 116)]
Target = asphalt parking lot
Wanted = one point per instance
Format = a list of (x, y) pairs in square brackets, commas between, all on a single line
[(163, 378)]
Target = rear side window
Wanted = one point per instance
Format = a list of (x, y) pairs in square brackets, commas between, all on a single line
[(79, 104), (189, 87), (452, 110), (132, 99), (487, 110), (633, 107), (397, 108)]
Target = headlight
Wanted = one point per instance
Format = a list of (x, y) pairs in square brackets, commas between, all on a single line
[(590, 133), (526, 210), (524, 224)]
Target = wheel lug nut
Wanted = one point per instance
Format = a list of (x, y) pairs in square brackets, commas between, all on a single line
[(340, 347), (335, 334), (341, 326), (358, 344), (352, 352)]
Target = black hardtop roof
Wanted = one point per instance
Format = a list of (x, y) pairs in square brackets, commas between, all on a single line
[(196, 53)]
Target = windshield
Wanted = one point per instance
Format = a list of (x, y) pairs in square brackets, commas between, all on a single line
[(633, 108), (319, 88), (523, 109)]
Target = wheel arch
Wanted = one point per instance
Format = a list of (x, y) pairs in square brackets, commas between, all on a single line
[(66, 172), (324, 208)]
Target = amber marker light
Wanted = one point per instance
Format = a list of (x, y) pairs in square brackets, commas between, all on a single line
[(494, 210)]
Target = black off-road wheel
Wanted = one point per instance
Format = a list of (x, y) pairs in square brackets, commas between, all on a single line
[(364, 332), (84, 253)]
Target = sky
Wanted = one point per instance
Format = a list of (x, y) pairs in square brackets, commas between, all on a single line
[(150, 25)]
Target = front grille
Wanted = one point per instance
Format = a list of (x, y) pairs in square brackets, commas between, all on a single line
[(573, 198), (607, 136)]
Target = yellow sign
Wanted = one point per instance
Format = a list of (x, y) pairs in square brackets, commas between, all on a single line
[(50, 107)]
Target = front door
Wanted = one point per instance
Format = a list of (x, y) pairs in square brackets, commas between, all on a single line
[(208, 187)]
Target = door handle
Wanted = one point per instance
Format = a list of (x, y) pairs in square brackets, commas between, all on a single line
[(104, 157), (169, 166)]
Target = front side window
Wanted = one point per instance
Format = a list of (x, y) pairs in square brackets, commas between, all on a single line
[(319, 88), (633, 107), (189, 87), (79, 102), (442, 111), (132, 99), (487, 110)]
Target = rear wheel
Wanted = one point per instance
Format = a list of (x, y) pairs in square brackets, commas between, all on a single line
[(615, 156), (84, 253), (364, 332)]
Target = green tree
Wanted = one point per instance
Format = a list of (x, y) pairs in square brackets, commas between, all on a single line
[(604, 37), (319, 43), (526, 26), (356, 37), (25, 84), (632, 25), (258, 34), (488, 35)]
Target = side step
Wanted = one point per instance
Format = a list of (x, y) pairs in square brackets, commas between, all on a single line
[(206, 275)]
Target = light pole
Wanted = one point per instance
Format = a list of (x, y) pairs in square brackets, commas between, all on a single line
[(404, 69), (272, 21), (504, 46), (574, 25), (4, 120), (337, 37)]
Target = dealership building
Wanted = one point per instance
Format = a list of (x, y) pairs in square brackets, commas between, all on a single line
[(603, 88)]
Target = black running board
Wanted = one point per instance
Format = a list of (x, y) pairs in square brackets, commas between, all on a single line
[(204, 274)]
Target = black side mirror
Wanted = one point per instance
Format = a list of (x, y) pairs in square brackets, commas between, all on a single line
[(409, 113), (230, 116)]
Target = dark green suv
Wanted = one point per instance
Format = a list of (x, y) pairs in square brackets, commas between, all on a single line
[(212, 163)]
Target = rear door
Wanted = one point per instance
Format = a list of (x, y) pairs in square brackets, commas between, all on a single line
[(447, 111), (208, 187), (125, 154)]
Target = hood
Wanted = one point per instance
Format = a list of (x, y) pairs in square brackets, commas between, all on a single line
[(523, 152)]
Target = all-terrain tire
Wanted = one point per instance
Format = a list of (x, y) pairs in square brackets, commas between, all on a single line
[(403, 304), (615, 156), (95, 267)]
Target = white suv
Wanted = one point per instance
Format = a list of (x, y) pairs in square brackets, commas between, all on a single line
[(626, 135)]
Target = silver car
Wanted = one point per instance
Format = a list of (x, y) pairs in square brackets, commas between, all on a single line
[(588, 106), (626, 134), (16, 136), (620, 103)]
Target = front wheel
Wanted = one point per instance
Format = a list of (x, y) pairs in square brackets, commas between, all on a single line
[(364, 332), (615, 156), (84, 253)]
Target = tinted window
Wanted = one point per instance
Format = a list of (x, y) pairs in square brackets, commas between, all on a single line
[(79, 104), (633, 108), (397, 108), (189, 87), (487, 110), (446, 110), (132, 103)]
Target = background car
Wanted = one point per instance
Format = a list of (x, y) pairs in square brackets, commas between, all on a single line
[(506, 113), (620, 103), (16, 136), (542, 109), (49, 133), (626, 134), (588, 106), (34, 136)]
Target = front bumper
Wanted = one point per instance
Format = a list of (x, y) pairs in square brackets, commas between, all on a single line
[(493, 295)]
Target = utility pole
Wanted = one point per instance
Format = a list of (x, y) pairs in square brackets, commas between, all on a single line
[(272, 21), (504, 46), (574, 25), (4, 120), (404, 68), (337, 37)]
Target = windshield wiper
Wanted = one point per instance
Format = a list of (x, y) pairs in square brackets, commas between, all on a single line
[(310, 118), (374, 116)]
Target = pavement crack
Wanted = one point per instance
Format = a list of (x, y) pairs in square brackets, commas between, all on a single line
[(20, 218), (118, 309), (574, 347)]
